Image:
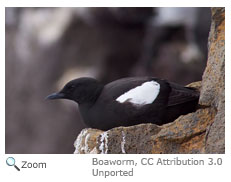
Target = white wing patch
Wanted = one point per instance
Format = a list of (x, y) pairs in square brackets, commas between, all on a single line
[(141, 95)]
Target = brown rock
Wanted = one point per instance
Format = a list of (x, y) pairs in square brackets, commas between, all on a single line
[(199, 132), (134, 140), (86, 141), (213, 83), (187, 134)]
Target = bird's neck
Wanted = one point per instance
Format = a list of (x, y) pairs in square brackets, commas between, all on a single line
[(91, 97), (85, 107)]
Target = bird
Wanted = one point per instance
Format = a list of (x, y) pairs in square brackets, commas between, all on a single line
[(128, 101)]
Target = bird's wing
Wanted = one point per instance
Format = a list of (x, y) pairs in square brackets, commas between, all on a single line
[(119, 87), (138, 91), (180, 94)]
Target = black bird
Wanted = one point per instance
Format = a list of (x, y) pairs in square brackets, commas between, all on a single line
[(129, 101)]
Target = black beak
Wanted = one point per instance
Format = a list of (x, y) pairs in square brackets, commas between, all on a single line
[(55, 96)]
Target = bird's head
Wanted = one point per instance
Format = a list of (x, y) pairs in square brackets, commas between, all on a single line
[(81, 90)]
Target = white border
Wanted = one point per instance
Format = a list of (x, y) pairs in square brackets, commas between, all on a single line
[(77, 167), (116, 3), (227, 80), (2, 79)]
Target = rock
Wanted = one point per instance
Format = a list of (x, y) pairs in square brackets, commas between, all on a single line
[(213, 82), (86, 140), (187, 134), (200, 132)]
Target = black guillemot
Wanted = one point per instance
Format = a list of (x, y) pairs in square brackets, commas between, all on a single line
[(129, 101)]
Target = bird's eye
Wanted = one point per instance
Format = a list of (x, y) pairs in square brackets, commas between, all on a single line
[(71, 87)]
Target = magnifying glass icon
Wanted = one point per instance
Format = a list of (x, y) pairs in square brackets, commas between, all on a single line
[(10, 161)]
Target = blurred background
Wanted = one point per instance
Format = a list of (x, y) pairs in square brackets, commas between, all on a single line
[(46, 47)]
